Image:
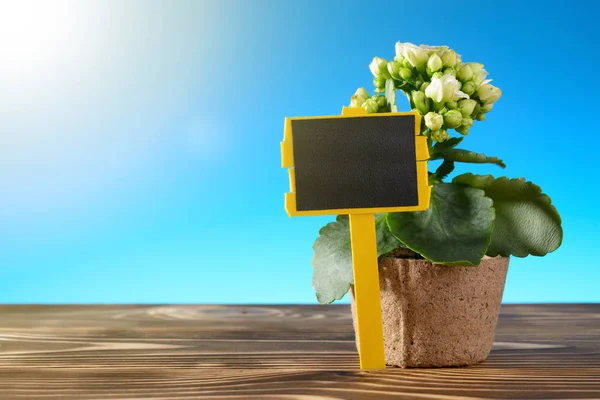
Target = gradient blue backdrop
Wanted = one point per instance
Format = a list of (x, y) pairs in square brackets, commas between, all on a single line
[(140, 163)]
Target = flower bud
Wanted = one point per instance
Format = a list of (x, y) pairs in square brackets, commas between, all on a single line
[(479, 74), (438, 107), (476, 68), (449, 58), (469, 88), (480, 117), (379, 83), (487, 107), (371, 106), (359, 97), (424, 86), (434, 121), (437, 75), (418, 82), (476, 110), (434, 63), (406, 64), (488, 94), (451, 105), (467, 106), (381, 103), (465, 125), (449, 71), (405, 73), (440, 135), (464, 73), (420, 101), (379, 68), (453, 119), (393, 68)]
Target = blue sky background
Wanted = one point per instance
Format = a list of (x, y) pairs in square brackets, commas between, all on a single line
[(139, 140)]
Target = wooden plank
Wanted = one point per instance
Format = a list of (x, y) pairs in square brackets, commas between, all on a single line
[(276, 352)]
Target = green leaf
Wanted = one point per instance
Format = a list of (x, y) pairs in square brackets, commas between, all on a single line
[(526, 221), (433, 179), (332, 258), (456, 229), (390, 95), (442, 147), (332, 261), (466, 156), (444, 169), (386, 241)]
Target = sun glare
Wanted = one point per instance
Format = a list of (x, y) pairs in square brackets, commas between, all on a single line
[(32, 33)]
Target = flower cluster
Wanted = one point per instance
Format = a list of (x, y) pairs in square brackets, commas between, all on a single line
[(449, 94), (372, 104)]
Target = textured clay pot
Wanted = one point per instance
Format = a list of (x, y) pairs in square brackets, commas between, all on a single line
[(436, 315)]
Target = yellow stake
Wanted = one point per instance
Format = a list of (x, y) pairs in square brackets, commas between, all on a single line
[(366, 291), (369, 332)]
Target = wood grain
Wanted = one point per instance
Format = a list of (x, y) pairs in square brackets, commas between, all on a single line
[(276, 352)]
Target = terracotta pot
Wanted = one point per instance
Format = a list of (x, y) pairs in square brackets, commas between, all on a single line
[(436, 315)]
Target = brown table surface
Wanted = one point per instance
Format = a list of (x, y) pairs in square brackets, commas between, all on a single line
[(276, 352)]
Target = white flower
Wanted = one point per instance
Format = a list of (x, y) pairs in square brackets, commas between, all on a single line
[(444, 89), (480, 78), (475, 67), (415, 55), (434, 121), (488, 94), (379, 69), (479, 74), (359, 97), (431, 50)]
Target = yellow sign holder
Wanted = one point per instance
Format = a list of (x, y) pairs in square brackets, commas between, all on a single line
[(363, 238)]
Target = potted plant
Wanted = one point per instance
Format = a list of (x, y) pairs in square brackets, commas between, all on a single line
[(442, 271)]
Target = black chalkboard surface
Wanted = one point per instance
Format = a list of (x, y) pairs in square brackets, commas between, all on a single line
[(355, 162)]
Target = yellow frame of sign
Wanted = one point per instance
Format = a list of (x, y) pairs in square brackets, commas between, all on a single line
[(422, 155), (363, 237)]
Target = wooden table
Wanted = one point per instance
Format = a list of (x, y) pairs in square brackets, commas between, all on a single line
[(276, 352)]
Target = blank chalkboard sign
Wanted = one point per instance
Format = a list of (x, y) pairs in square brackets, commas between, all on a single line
[(344, 164)]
